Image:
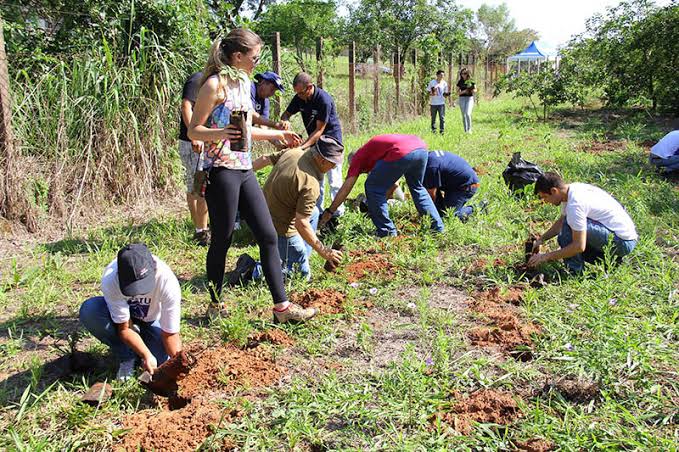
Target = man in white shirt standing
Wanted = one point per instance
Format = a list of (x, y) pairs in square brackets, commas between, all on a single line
[(590, 219), (139, 314), (438, 90)]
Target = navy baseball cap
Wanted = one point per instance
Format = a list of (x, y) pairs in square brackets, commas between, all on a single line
[(136, 270), (272, 77)]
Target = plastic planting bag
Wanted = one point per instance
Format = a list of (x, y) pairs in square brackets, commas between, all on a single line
[(520, 173)]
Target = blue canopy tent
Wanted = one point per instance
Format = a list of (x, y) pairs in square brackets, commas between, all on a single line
[(530, 54)]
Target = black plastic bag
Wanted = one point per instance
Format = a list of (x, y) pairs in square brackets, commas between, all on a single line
[(520, 173)]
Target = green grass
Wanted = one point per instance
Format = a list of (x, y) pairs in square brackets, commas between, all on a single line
[(614, 325)]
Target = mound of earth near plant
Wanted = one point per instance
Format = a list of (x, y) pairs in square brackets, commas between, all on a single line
[(368, 263), (327, 301), (506, 329), (217, 374), (485, 406)]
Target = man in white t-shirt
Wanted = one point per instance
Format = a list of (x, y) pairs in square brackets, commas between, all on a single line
[(590, 219), (665, 153), (438, 91), (140, 312)]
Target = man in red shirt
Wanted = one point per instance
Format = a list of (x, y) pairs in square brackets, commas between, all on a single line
[(385, 158)]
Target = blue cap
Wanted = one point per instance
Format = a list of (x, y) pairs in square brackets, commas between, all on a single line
[(272, 77)]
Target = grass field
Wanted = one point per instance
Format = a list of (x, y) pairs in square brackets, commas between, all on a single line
[(440, 345)]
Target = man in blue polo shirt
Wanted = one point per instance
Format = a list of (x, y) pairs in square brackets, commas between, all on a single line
[(319, 115), (451, 182), (267, 84)]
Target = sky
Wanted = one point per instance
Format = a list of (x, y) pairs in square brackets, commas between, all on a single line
[(554, 20)]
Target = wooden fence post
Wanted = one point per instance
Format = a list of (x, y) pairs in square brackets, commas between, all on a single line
[(376, 95), (397, 80), (319, 61), (276, 57), (352, 85), (451, 98)]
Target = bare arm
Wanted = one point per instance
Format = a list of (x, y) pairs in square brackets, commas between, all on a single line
[(135, 342), (577, 246), (553, 231), (208, 98), (261, 162), (303, 226), (260, 120), (172, 343), (313, 138), (342, 194)]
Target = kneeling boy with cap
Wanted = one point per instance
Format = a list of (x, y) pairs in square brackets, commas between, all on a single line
[(139, 314)]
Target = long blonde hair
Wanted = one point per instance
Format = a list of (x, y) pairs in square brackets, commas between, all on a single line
[(223, 48)]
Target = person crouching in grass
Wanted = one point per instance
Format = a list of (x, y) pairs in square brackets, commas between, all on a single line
[(140, 312), (590, 219)]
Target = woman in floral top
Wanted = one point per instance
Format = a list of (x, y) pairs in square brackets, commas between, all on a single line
[(223, 99)]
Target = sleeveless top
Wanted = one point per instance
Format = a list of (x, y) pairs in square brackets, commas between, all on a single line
[(219, 153)]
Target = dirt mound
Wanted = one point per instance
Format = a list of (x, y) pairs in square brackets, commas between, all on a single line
[(512, 295), (573, 389), (327, 301), (534, 445), (272, 336), (365, 263), (485, 406), (180, 430), (227, 368), (505, 329), (479, 265), (599, 147), (193, 415)]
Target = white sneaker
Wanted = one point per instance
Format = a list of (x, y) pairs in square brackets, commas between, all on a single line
[(126, 369)]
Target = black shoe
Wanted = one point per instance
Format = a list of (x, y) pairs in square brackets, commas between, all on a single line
[(202, 238), (245, 266)]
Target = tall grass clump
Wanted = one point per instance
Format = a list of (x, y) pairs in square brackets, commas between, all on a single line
[(99, 128)]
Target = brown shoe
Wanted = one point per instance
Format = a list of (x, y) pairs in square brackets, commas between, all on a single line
[(202, 238), (294, 313), (217, 310)]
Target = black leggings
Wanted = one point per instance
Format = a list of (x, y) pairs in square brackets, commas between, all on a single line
[(228, 192)]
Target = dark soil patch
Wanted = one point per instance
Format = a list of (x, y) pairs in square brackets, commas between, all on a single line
[(368, 263), (534, 445), (484, 406), (573, 389), (600, 147), (327, 301), (272, 336)]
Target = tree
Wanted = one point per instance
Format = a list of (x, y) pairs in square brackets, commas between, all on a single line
[(403, 22), (496, 32), (300, 23)]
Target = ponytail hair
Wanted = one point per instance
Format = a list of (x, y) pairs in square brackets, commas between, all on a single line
[(223, 48)]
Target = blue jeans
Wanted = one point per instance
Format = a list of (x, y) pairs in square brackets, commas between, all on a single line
[(598, 237), (455, 200), (96, 319), (384, 175), (294, 252), (441, 111)]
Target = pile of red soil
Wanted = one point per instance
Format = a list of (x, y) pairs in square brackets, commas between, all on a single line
[(180, 430), (327, 301), (534, 445), (484, 406), (599, 147), (505, 328), (219, 372), (272, 336), (482, 169), (370, 262)]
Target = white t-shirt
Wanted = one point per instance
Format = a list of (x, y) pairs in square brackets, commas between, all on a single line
[(441, 87), (667, 146), (587, 201), (163, 303)]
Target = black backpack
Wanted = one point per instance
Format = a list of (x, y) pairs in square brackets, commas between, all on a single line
[(520, 173)]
